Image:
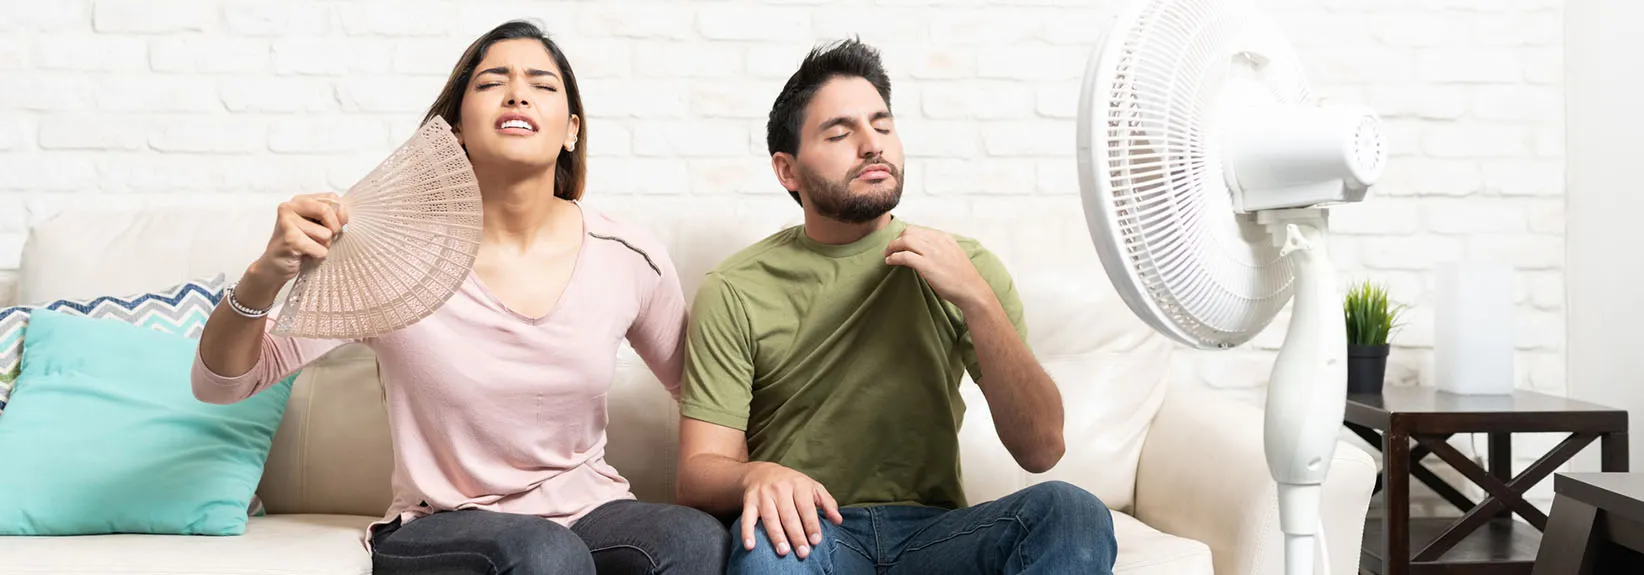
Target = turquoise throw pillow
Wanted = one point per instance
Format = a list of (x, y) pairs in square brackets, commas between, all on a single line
[(103, 435)]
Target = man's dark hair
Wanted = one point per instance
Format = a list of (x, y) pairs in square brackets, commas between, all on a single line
[(845, 58)]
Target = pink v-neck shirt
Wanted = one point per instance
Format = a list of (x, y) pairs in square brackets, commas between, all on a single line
[(490, 409)]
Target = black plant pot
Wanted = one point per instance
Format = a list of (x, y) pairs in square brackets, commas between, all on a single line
[(1366, 368)]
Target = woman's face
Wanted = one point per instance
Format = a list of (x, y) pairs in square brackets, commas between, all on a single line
[(515, 112)]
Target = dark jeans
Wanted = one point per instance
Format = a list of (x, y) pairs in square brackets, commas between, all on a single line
[(1051, 527), (619, 537)]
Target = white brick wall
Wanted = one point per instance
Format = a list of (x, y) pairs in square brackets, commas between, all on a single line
[(104, 99)]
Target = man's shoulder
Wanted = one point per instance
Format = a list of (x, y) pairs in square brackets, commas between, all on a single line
[(750, 262), (979, 254), (972, 246), (726, 288)]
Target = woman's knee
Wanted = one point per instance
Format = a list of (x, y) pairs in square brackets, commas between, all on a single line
[(475, 541), (529, 544), (695, 530), (549, 549), (631, 536), (695, 542)]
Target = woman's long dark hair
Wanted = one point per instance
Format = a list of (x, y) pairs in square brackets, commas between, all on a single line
[(571, 167)]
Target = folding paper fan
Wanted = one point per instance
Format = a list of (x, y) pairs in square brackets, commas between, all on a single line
[(412, 235)]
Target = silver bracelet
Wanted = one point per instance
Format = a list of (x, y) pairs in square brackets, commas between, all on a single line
[(240, 308)]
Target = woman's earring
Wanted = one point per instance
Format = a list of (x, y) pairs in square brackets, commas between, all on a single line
[(571, 147)]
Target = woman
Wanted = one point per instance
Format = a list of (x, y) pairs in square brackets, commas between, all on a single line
[(497, 400)]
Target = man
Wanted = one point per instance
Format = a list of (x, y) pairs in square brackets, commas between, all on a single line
[(823, 366)]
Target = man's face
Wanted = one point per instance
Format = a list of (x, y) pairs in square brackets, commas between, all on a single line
[(849, 166)]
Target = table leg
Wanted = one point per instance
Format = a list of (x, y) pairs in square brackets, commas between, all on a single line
[(1417, 470), (1613, 450), (1569, 545), (1396, 526), (1501, 462)]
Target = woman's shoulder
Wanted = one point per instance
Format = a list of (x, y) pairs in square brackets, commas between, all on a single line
[(626, 234)]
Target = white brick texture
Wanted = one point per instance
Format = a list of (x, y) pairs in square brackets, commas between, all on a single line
[(129, 98)]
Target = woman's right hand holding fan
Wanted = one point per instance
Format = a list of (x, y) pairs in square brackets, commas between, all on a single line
[(303, 231)]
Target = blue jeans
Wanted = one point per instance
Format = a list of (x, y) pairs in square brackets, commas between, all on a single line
[(1051, 527), (618, 538)]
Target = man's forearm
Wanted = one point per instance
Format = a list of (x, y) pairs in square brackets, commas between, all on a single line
[(1024, 401), (712, 482)]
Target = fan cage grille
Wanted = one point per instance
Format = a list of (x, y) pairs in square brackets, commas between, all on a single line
[(1214, 274)]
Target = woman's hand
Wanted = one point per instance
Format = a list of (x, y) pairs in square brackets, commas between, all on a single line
[(303, 231)]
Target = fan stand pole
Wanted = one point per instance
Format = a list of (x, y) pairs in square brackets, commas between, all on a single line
[(1307, 394)]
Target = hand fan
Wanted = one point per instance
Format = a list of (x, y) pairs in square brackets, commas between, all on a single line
[(412, 235)]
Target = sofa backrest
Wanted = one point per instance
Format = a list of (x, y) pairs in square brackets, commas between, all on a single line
[(332, 453)]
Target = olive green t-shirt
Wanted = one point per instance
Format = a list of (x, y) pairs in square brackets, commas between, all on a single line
[(838, 365)]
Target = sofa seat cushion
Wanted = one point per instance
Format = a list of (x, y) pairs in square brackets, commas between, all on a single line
[(330, 544), (1144, 550), (275, 544)]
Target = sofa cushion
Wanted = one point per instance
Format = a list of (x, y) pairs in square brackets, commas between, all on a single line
[(85, 253), (1144, 550), (272, 545), (1103, 443), (332, 453), (330, 544)]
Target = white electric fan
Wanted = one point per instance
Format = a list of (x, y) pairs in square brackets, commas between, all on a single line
[(1206, 169)]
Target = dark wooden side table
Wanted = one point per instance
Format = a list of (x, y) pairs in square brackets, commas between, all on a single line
[(1485, 539), (1597, 525)]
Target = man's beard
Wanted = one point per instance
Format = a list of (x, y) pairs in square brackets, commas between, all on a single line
[(834, 200)]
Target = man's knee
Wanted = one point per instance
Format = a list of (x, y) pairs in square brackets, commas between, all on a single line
[(1076, 522), (763, 558), (1070, 504)]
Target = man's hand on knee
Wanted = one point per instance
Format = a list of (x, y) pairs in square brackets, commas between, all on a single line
[(787, 503)]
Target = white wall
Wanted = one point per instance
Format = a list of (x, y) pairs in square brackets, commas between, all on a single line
[(130, 101), (1605, 264)]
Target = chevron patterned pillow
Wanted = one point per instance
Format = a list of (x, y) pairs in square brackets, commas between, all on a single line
[(181, 310)]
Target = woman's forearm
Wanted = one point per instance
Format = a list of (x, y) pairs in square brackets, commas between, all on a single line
[(231, 345)]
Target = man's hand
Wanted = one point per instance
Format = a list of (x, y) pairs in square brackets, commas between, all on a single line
[(716, 476), (786, 501), (943, 264)]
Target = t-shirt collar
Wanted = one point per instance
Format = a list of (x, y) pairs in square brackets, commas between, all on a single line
[(876, 239)]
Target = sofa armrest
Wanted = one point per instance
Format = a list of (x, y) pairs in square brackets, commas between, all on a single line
[(1203, 476)]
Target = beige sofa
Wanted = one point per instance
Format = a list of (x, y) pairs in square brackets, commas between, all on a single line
[(1182, 468)]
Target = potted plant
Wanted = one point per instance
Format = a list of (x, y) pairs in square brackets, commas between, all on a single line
[(1371, 320)]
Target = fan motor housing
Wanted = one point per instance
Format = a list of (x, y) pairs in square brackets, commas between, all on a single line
[(1279, 157)]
